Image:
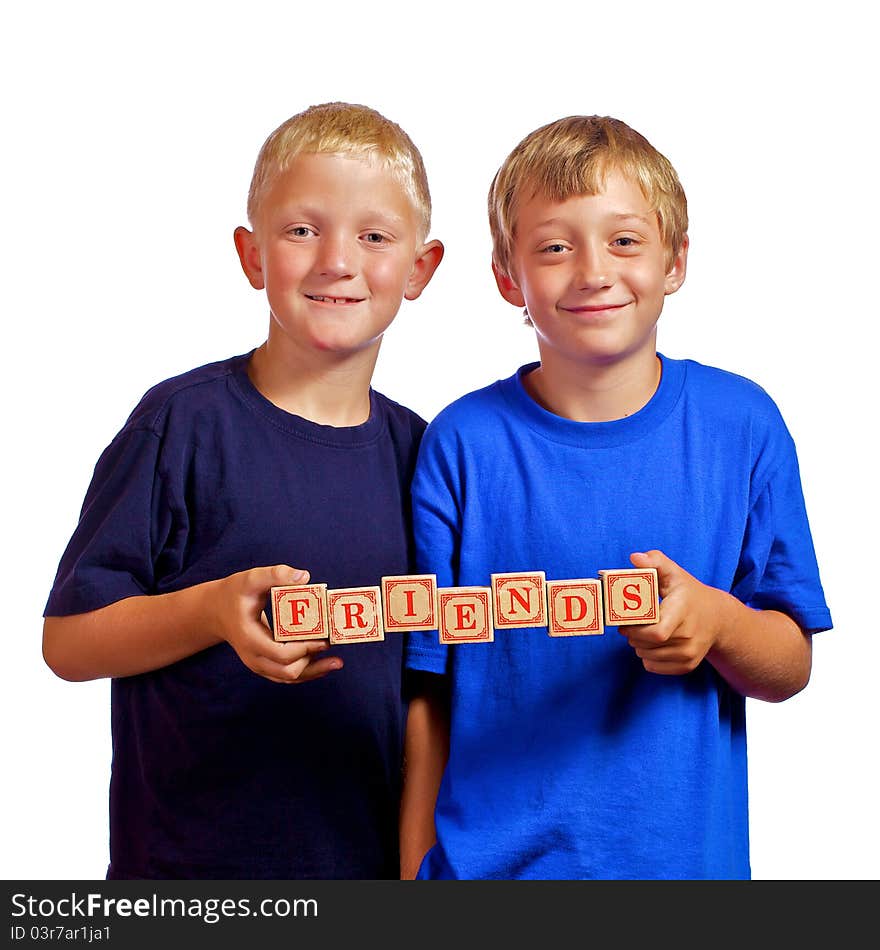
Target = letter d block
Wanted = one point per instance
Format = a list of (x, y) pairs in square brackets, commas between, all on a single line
[(574, 608), (355, 615), (410, 602), (299, 613), (520, 600), (465, 615), (631, 595)]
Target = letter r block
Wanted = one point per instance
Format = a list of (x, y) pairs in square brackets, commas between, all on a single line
[(630, 595), (465, 615), (354, 615), (410, 602), (519, 599), (299, 613), (574, 608)]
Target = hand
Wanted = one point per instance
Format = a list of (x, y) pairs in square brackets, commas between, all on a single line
[(236, 606), (690, 616)]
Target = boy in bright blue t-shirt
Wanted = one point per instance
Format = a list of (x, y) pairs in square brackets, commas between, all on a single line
[(623, 755)]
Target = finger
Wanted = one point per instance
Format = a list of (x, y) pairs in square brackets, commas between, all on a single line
[(261, 579), (286, 653), (668, 572)]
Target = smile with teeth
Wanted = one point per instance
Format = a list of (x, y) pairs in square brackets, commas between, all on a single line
[(325, 299)]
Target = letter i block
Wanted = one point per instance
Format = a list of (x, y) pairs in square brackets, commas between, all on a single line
[(410, 602), (574, 608), (631, 595), (355, 615), (299, 613), (520, 600), (465, 615)]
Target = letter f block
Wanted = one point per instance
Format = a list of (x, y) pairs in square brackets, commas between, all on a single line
[(630, 595), (299, 613), (519, 600), (574, 608)]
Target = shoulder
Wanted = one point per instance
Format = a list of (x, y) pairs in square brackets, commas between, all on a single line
[(401, 421), (475, 412), (188, 392), (729, 396)]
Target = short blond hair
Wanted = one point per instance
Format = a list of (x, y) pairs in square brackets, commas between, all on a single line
[(571, 157), (347, 129)]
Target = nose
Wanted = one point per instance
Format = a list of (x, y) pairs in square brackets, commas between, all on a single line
[(335, 258), (593, 269)]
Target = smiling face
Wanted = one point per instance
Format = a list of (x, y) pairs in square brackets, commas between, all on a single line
[(336, 246), (593, 272)]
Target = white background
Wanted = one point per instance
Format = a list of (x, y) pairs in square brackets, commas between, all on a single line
[(130, 137)]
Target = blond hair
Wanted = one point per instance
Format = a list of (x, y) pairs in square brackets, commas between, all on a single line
[(571, 157), (347, 129)]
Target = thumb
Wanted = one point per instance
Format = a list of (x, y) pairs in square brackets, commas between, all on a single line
[(668, 572), (280, 575)]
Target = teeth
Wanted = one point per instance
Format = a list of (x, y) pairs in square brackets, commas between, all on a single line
[(332, 299)]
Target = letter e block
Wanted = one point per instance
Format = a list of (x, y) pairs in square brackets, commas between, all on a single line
[(299, 613), (519, 600), (630, 595), (410, 602), (355, 615), (574, 608), (465, 615)]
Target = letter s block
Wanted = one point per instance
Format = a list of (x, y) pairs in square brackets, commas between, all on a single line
[(630, 595), (354, 615), (575, 608), (299, 613)]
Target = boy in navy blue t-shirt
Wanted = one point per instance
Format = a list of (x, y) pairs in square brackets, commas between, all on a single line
[(623, 755), (262, 470)]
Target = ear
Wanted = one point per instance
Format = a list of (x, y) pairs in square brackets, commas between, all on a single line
[(427, 261), (249, 254), (676, 273), (507, 286)]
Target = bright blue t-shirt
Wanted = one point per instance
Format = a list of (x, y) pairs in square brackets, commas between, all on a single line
[(218, 772), (568, 760)]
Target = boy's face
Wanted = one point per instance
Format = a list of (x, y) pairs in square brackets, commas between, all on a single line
[(593, 272), (336, 246)]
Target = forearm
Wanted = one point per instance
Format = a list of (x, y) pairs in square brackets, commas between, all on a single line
[(131, 636), (426, 751), (760, 653)]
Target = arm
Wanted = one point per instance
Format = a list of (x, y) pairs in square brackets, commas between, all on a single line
[(426, 750), (761, 653), (144, 633)]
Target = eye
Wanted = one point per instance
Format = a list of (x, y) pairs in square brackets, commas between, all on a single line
[(374, 237), (625, 242), (300, 231), (553, 249)]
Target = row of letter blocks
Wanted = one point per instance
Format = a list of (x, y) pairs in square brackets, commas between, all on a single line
[(567, 608)]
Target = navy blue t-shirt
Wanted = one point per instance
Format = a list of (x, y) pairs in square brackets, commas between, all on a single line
[(217, 772)]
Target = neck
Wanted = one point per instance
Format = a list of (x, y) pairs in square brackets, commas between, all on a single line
[(323, 389), (597, 393)]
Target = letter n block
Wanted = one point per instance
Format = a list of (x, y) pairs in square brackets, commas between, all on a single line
[(410, 602), (299, 613), (465, 615), (574, 608), (520, 600), (630, 595), (355, 615)]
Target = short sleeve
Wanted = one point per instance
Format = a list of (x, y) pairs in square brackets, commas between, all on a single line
[(778, 569), (436, 533), (124, 518)]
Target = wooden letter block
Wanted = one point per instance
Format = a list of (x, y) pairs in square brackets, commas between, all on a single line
[(299, 613), (520, 600), (574, 608), (465, 615), (410, 602), (355, 615), (631, 595)]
